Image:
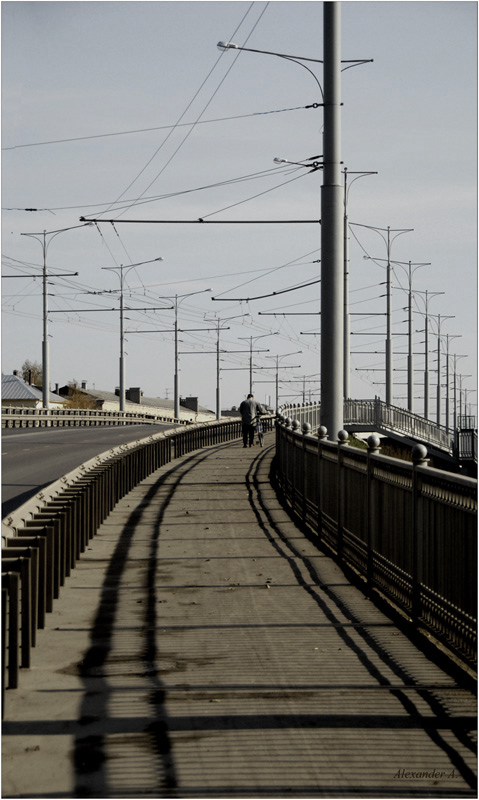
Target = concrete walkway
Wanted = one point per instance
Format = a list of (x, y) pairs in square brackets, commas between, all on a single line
[(203, 647)]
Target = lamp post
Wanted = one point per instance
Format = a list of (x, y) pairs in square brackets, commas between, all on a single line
[(284, 355), (176, 380), (438, 394), (388, 240), (123, 269), (218, 369), (427, 297), (410, 269), (42, 238), (250, 338), (454, 416), (332, 236), (448, 337)]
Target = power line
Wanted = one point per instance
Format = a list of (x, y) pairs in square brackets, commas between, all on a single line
[(148, 130)]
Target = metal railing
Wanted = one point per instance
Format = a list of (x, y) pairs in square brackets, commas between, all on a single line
[(375, 415), (43, 540), (13, 417), (409, 532)]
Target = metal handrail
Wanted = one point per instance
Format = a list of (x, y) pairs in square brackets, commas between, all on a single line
[(407, 530), (376, 415)]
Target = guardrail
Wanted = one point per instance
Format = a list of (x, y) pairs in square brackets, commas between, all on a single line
[(13, 417), (43, 539), (375, 415), (408, 531)]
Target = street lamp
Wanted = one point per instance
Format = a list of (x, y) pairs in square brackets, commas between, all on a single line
[(296, 352), (388, 240), (261, 336), (332, 238), (121, 269), (220, 327), (454, 416), (411, 269), (41, 237), (448, 337), (176, 380), (427, 298), (438, 394)]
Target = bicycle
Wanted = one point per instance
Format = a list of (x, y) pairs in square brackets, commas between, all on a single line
[(259, 431)]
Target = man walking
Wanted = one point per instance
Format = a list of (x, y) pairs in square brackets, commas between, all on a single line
[(249, 410)]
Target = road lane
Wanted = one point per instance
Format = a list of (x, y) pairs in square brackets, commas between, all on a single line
[(32, 458)]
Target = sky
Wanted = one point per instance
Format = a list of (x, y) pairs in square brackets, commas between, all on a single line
[(127, 113)]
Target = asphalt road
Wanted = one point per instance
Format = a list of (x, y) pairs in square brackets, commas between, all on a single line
[(32, 458)]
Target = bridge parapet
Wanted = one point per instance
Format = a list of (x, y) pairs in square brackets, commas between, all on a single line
[(15, 417), (406, 530), (48, 533), (377, 416)]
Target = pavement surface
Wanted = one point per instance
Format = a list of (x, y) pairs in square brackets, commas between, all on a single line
[(203, 647)]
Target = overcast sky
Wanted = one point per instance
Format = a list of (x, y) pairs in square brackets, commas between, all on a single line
[(128, 111)]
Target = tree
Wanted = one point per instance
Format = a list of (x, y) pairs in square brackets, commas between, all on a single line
[(77, 398), (32, 372)]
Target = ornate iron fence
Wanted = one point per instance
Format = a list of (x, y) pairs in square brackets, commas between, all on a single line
[(408, 531)]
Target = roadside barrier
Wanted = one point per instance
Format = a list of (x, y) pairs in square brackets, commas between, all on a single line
[(14, 417), (408, 532), (43, 539)]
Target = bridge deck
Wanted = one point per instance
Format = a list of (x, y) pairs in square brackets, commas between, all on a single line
[(203, 647)]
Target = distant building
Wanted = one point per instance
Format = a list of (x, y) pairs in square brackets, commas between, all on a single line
[(136, 402), (17, 393)]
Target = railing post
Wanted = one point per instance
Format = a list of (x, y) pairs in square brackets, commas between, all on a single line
[(343, 437), (419, 458), (372, 509), (297, 480), (322, 435), (306, 428)]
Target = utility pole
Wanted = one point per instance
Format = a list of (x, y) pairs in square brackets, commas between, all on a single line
[(438, 396), (261, 336), (332, 230), (42, 238), (448, 337), (120, 269), (428, 297)]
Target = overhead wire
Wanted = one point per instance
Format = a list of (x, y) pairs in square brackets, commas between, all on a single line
[(150, 130), (185, 138)]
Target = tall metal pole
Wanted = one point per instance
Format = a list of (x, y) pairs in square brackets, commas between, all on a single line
[(438, 393), (122, 347), (45, 343), (251, 366), (454, 415), (428, 297), (410, 356), (438, 396), (447, 383), (426, 366), (121, 269), (218, 389), (448, 338), (332, 235), (176, 377), (41, 237), (389, 341), (347, 321)]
